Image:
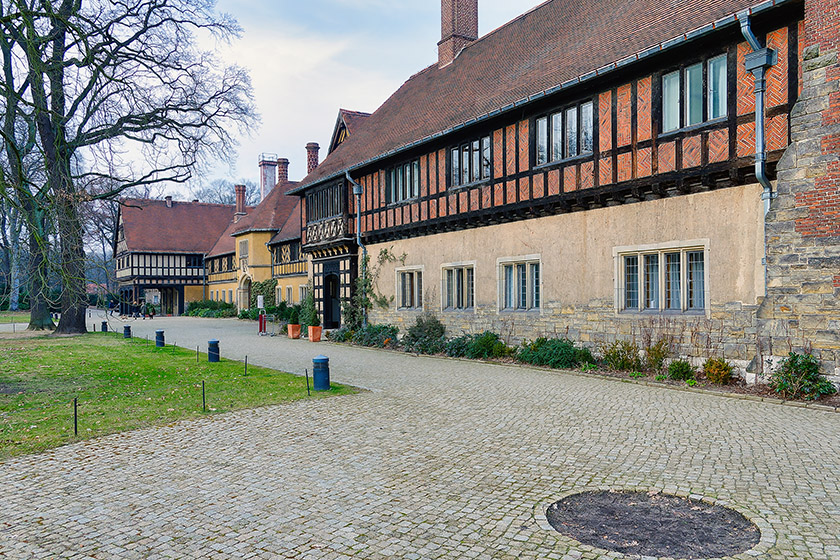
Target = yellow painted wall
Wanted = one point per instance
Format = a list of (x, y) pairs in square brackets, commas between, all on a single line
[(193, 293), (258, 265), (295, 282)]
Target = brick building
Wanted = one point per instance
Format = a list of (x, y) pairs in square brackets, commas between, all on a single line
[(596, 170)]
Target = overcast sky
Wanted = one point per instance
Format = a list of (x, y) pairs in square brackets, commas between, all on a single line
[(308, 59)]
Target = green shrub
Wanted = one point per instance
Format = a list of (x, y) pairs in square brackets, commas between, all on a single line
[(294, 316), (680, 370), (478, 346), (309, 316), (622, 355), (194, 308), (487, 345), (718, 370), (457, 347), (249, 314), (555, 353), (344, 334), (798, 377), (379, 336), (426, 336), (656, 354)]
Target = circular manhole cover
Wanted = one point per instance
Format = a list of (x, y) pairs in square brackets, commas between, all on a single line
[(653, 524)]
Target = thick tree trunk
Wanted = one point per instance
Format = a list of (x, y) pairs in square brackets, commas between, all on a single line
[(73, 294), (39, 310)]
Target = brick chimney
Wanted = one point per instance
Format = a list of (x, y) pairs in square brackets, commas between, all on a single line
[(168, 200), (282, 170), (240, 200), (458, 28), (312, 156)]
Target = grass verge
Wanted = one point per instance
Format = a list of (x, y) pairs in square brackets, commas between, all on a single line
[(9, 317), (120, 385)]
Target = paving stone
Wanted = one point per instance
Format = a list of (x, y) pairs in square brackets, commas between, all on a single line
[(437, 459)]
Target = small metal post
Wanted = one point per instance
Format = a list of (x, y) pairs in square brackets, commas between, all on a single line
[(75, 416), (196, 354), (308, 394), (203, 398), (246, 365)]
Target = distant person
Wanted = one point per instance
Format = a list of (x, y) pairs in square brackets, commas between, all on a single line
[(143, 310), (135, 307), (151, 312)]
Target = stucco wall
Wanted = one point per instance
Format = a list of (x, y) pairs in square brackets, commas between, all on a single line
[(576, 252)]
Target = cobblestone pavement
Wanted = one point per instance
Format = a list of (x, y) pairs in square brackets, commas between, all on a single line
[(440, 459)]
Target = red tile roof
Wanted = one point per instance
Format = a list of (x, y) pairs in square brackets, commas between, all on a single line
[(291, 229), (272, 212), (186, 227), (553, 43)]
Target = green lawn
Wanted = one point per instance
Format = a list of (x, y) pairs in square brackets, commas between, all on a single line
[(14, 317), (120, 385)]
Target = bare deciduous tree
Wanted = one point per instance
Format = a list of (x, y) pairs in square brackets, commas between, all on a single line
[(120, 92)]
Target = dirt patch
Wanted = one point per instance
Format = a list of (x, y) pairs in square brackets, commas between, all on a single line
[(653, 524), (12, 388)]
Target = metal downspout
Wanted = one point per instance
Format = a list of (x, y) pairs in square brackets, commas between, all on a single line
[(757, 62), (357, 190)]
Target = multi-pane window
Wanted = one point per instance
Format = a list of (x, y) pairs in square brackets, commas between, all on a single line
[(410, 286), (520, 285), (667, 280), (685, 100), (325, 203), (470, 162), (193, 261), (459, 287), (565, 134), (289, 294), (402, 182)]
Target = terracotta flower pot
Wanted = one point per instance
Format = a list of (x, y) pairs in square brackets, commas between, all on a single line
[(293, 330), (314, 334)]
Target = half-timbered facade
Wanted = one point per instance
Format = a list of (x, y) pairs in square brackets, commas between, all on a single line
[(587, 173), (159, 251)]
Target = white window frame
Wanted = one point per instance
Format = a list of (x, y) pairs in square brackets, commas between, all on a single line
[(681, 111), (418, 300), (661, 249), (302, 293), (444, 268), (532, 288), (289, 295)]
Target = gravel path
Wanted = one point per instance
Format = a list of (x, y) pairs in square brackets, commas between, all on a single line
[(439, 459)]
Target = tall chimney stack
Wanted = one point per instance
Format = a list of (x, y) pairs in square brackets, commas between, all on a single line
[(282, 170), (268, 173), (240, 200), (312, 156), (458, 28)]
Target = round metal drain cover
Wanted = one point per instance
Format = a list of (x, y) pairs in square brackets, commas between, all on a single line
[(653, 524)]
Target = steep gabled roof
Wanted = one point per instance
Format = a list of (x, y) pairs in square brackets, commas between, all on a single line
[(345, 124), (291, 229), (186, 227), (272, 212), (557, 43), (226, 243)]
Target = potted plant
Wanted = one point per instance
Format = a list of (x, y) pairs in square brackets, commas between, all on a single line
[(309, 316), (293, 328)]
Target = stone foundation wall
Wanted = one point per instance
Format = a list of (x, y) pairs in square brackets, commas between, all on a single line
[(731, 330)]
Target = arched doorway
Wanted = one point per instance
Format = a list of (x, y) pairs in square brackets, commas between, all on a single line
[(332, 302), (243, 294)]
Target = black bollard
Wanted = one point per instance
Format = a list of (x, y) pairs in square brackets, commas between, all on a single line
[(321, 373), (126, 331), (160, 341), (104, 326), (212, 350)]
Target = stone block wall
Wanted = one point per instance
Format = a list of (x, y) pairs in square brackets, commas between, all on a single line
[(801, 310)]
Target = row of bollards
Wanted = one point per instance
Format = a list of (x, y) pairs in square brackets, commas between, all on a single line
[(320, 364)]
